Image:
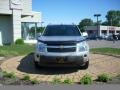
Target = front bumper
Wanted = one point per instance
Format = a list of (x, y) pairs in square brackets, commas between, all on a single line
[(61, 58)]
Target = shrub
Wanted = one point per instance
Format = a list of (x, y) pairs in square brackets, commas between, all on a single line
[(56, 80), (8, 75), (19, 41), (103, 78), (67, 81), (118, 76), (34, 82), (1, 74), (86, 79), (26, 77)]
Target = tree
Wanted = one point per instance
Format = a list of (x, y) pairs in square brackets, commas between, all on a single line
[(85, 22), (113, 17), (105, 23), (40, 29), (99, 23)]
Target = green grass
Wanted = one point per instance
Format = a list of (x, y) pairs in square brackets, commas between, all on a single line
[(34, 82), (103, 78), (8, 75), (86, 79), (109, 51), (56, 80), (26, 77), (16, 50), (67, 81)]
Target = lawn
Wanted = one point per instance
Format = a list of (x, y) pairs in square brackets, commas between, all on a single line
[(110, 51), (15, 50)]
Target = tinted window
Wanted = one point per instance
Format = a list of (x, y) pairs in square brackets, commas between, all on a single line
[(62, 30)]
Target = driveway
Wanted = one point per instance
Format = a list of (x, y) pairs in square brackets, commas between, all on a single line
[(98, 64), (103, 43)]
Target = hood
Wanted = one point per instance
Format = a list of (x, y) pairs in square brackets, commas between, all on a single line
[(61, 38)]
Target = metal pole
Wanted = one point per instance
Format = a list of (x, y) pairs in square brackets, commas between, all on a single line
[(97, 27), (97, 15)]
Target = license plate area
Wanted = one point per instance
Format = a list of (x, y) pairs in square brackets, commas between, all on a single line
[(61, 60)]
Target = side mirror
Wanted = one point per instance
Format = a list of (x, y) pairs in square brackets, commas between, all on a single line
[(38, 35), (84, 34)]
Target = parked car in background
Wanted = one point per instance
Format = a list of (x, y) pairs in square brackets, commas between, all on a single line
[(104, 37), (95, 37), (118, 36), (110, 37), (92, 37), (62, 45)]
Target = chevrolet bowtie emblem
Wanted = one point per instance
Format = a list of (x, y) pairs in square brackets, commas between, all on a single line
[(61, 47)]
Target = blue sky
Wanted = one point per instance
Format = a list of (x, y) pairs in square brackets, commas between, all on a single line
[(73, 11)]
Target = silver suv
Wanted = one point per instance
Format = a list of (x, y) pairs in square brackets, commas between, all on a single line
[(62, 45)]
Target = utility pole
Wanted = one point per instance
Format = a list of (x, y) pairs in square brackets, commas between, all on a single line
[(97, 15)]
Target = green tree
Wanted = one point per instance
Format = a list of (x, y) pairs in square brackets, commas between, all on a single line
[(105, 23), (40, 29), (85, 22), (99, 23), (113, 17)]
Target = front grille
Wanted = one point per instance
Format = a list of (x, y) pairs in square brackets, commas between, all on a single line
[(58, 43), (72, 49)]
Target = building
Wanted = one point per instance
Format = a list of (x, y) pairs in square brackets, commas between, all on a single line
[(17, 21), (102, 30)]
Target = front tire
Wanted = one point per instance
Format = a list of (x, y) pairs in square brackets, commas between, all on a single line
[(36, 64), (85, 66)]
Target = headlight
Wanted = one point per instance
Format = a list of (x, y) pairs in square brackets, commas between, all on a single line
[(82, 47), (41, 47)]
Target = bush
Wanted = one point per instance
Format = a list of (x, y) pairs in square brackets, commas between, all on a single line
[(26, 77), (34, 82), (56, 80), (86, 79), (19, 41), (8, 75), (67, 81), (103, 78)]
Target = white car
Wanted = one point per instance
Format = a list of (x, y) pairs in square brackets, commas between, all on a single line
[(62, 45)]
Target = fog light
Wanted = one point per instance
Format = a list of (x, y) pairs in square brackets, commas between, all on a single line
[(85, 55), (37, 56)]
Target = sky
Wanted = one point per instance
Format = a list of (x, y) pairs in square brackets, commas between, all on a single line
[(73, 11)]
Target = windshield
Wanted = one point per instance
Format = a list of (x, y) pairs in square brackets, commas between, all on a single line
[(61, 30)]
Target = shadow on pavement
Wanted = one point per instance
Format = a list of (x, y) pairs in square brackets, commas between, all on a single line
[(27, 66)]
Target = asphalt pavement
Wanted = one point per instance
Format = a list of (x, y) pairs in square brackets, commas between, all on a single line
[(103, 44)]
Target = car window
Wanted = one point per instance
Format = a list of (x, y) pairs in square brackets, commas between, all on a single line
[(62, 30)]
